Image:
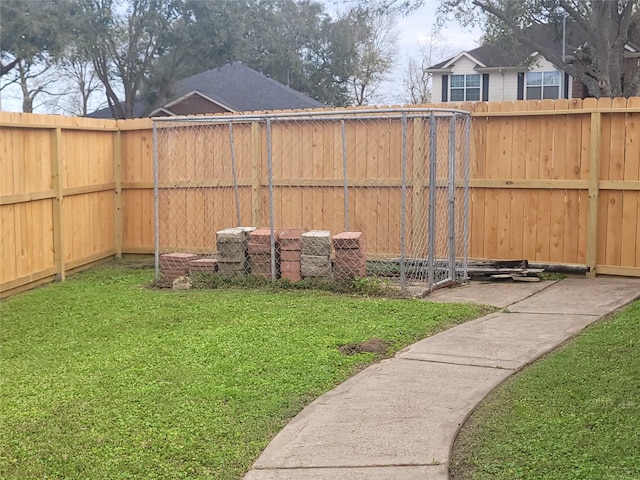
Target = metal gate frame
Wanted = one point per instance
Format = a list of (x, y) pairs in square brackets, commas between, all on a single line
[(439, 272)]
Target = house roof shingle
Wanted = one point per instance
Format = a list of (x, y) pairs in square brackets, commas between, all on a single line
[(236, 87), (516, 55)]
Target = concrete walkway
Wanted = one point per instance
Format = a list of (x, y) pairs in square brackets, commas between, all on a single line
[(398, 419)]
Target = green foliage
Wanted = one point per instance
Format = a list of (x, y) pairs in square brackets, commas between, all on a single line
[(33, 29), (575, 415), (105, 378), (595, 41), (371, 287)]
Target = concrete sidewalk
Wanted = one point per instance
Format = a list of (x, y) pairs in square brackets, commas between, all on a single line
[(398, 419)]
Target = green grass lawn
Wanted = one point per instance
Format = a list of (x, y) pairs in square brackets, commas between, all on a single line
[(105, 378), (574, 415)]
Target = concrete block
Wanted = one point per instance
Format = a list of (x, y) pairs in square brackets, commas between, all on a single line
[(231, 235), (233, 267), (316, 266), (316, 242), (231, 252)]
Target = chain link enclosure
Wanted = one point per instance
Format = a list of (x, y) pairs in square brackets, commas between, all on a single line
[(332, 194)]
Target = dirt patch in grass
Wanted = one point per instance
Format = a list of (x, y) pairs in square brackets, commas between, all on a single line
[(375, 345)]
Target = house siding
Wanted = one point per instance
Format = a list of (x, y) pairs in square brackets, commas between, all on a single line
[(503, 86), (436, 88)]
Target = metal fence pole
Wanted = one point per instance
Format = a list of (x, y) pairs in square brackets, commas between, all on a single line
[(156, 214), (432, 198), (403, 205), (452, 197), (272, 236), (235, 174), (344, 175), (465, 213)]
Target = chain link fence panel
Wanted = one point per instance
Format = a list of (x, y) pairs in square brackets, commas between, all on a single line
[(333, 195)]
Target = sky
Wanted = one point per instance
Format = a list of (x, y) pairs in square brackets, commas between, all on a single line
[(414, 30)]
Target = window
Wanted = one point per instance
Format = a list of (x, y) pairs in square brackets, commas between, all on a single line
[(543, 85), (465, 88)]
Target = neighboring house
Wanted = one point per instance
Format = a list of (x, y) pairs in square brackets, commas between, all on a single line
[(495, 73), (233, 87)]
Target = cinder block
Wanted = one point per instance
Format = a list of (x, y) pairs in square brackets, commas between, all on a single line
[(348, 241), (290, 239), (225, 267), (231, 252), (316, 243), (316, 266), (231, 235)]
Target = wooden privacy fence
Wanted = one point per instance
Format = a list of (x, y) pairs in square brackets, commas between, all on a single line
[(551, 181)]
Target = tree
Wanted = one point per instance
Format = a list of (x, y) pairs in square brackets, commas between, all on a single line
[(78, 72), (417, 80), (33, 36), (124, 40), (595, 51), (375, 40)]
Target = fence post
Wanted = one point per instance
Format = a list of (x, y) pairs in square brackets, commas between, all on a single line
[(594, 193), (418, 183), (452, 197), (156, 206), (235, 175), (344, 175), (433, 159), (256, 173), (117, 178), (403, 200), (58, 210), (272, 236)]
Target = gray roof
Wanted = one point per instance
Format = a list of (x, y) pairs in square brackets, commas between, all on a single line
[(516, 55), (237, 88)]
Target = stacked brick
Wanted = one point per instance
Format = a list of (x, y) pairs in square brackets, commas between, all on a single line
[(174, 265), (350, 258), (290, 254), (315, 255), (203, 265), (259, 249), (232, 254)]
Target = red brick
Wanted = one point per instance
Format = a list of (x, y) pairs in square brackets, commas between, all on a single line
[(262, 235), (348, 240), (292, 276), (290, 256), (253, 248), (290, 267), (351, 272), (291, 239), (350, 255)]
